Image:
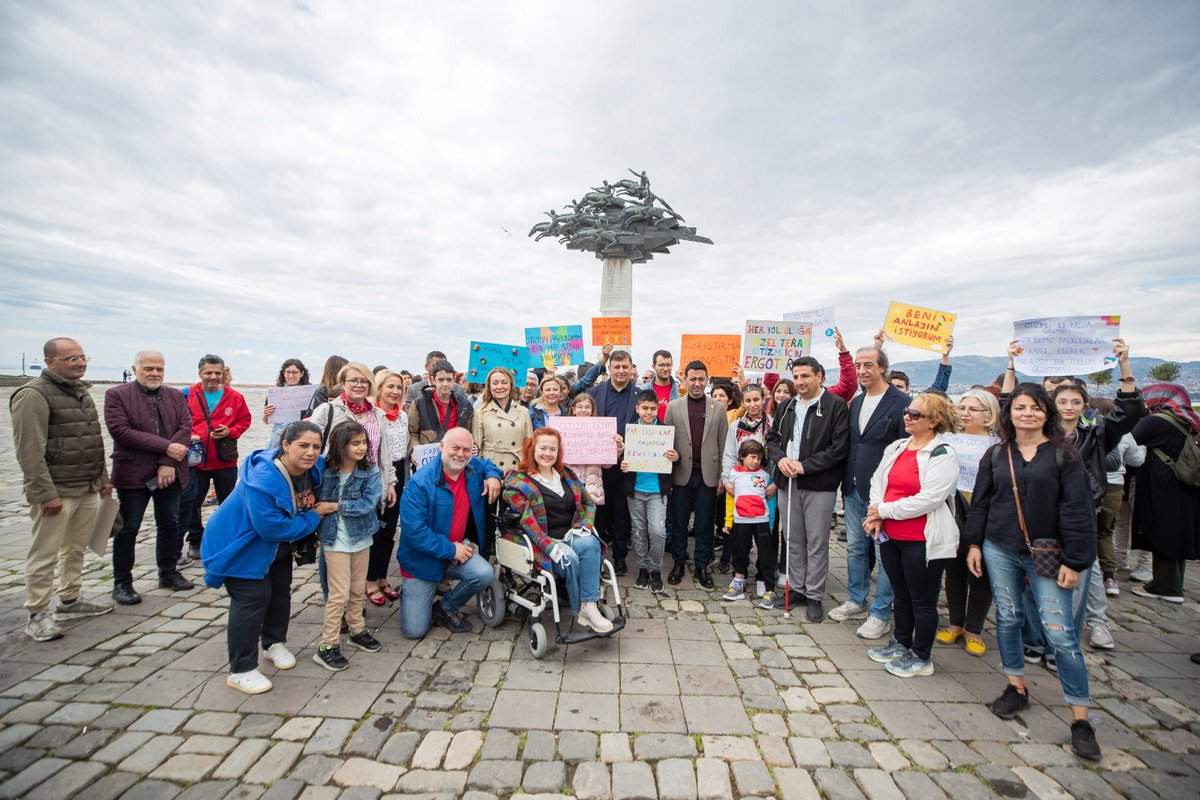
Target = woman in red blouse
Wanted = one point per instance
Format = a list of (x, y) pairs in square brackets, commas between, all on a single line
[(911, 517)]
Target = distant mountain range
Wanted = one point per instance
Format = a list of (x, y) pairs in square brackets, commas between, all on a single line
[(971, 370)]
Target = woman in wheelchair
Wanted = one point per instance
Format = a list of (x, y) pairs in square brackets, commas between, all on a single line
[(556, 513)]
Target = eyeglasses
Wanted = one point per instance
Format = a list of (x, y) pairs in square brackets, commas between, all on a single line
[(914, 415), (357, 382), (969, 410), (73, 359)]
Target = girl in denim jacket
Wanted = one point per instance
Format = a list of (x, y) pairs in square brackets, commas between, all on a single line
[(355, 485)]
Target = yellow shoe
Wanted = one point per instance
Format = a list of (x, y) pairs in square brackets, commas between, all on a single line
[(949, 635), (975, 645)]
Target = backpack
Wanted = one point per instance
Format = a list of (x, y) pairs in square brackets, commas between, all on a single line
[(1187, 466)]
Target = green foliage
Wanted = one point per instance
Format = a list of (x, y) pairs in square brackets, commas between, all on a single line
[(1166, 372), (1102, 378)]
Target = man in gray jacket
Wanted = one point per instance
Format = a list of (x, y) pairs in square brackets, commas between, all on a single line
[(61, 453)]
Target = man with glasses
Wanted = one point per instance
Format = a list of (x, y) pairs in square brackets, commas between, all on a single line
[(56, 431), (219, 412), (876, 420), (441, 515)]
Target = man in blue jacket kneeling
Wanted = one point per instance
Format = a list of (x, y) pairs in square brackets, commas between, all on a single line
[(441, 523)]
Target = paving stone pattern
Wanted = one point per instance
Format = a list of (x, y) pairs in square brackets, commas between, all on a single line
[(694, 699)]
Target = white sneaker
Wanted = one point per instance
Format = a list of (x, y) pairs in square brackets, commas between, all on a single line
[(81, 608), (760, 588), (781, 582), (279, 655), (42, 627), (590, 616), (848, 610), (874, 628), (252, 682), (1142, 571), (1101, 639), (1142, 591)]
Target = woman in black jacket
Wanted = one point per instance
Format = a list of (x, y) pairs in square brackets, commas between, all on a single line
[(1054, 502), (1166, 511)]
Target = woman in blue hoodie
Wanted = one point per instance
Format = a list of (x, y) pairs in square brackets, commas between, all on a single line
[(248, 549)]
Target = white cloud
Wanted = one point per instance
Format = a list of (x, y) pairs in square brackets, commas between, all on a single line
[(260, 180)]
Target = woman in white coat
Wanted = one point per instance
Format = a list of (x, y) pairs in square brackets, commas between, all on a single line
[(912, 518)]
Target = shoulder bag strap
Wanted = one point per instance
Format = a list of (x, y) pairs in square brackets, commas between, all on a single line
[(1012, 471), (204, 408)]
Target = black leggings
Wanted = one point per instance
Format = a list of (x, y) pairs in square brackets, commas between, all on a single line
[(967, 598), (915, 584), (741, 537), (258, 609), (383, 544)]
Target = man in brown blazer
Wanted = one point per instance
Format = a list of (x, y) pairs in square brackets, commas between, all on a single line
[(700, 430)]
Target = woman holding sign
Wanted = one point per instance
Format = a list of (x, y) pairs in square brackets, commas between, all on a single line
[(556, 513), (969, 597), (292, 373)]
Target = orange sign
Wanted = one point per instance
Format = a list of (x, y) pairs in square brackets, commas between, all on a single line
[(611, 330), (720, 352)]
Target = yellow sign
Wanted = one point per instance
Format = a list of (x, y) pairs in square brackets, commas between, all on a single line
[(920, 327)]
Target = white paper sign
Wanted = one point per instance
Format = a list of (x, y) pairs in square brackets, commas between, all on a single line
[(289, 401), (422, 454), (969, 448), (102, 531), (587, 440), (1066, 345), (821, 319), (646, 447)]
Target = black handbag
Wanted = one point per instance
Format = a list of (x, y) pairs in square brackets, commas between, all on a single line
[(226, 448), (1046, 553)]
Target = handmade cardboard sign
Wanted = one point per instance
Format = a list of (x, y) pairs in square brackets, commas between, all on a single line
[(769, 346), (555, 346), (486, 356), (821, 319), (719, 352), (1066, 345), (612, 330), (289, 402), (646, 447), (915, 326), (587, 440)]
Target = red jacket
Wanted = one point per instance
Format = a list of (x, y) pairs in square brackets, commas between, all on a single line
[(230, 411), (847, 385)]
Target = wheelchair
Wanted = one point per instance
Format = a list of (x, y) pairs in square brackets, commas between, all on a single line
[(525, 586)]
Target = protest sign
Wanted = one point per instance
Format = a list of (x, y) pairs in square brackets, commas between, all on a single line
[(646, 447), (914, 326), (769, 346), (555, 346), (289, 401), (1066, 345), (969, 448), (720, 352), (612, 330), (587, 440), (821, 319), (486, 356), (422, 454)]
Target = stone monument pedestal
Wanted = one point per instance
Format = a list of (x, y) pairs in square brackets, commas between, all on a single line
[(616, 288)]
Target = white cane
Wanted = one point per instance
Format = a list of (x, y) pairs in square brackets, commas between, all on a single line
[(787, 553)]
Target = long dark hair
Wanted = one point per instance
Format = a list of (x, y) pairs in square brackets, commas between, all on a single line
[(298, 364), (341, 436), (1051, 428), (333, 365)]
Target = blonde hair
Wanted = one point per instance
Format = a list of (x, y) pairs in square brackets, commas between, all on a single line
[(991, 406), (381, 378), (487, 384), (939, 411), (358, 366)]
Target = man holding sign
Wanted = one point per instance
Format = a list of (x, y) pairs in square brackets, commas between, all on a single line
[(616, 397)]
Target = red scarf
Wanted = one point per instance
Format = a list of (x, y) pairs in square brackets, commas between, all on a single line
[(357, 408), (392, 415)]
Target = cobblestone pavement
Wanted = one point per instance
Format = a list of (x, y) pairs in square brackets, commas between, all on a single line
[(694, 698)]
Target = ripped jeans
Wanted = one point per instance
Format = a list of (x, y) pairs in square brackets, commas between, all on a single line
[(1007, 571), (579, 567)]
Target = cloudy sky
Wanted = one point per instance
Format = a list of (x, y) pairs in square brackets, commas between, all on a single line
[(269, 179)]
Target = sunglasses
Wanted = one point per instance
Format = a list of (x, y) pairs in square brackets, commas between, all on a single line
[(914, 415)]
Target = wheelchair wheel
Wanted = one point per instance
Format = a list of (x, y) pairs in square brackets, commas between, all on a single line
[(539, 644), (491, 605)]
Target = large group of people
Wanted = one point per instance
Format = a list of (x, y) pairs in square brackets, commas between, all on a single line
[(1042, 534)]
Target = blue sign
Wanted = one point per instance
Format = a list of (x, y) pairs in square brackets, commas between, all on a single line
[(486, 356)]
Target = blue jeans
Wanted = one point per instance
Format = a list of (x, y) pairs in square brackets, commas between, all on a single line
[(1084, 607), (702, 499), (580, 568), (416, 601), (858, 564), (1058, 611)]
